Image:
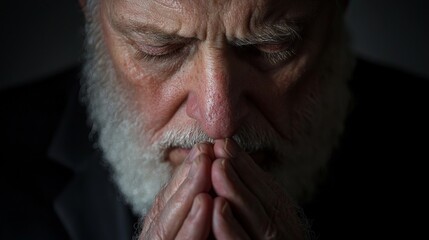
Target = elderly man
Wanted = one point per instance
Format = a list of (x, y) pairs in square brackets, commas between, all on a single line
[(217, 119)]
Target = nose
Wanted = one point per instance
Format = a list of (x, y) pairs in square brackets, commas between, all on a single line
[(216, 100)]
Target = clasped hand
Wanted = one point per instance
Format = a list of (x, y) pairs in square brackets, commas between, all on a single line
[(247, 203)]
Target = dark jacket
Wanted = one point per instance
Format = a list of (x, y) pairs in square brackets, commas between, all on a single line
[(54, 184)]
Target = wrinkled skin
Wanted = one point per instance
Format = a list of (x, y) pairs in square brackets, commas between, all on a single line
[(185, 65), (247, 204)]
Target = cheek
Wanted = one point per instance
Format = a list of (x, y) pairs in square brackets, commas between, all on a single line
[(149, 91), (157, 98), (292, 92)]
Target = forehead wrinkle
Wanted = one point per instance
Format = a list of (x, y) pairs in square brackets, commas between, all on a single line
[(172, 4), (148, 11), (187, 23), (134, 24), (264, 19), (135, 29), (231, 19)]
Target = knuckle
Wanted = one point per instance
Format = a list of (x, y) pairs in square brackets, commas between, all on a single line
[(159, 232), (158, 203), (156, 231), (205, 148), (270, 230), (149, 229), (156, 209), (271, 233)]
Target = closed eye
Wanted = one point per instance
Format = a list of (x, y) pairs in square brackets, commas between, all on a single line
[(272, 47), (276, 53), (163, 52), (270, 54)]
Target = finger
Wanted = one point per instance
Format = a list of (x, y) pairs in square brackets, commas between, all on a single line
[(181, 173), (197, 224), (177, 179), (171, 218), (225, 225), (228, 148), (249, 209), (259, 182), (277, 206)]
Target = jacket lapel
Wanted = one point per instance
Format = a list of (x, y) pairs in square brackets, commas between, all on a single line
[(89, 206)]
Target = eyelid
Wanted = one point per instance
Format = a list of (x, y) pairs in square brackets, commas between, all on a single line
[(273, 47), (276, 53), (162, 55), (157, 50)]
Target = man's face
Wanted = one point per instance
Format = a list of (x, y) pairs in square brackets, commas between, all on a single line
[(263, 72)]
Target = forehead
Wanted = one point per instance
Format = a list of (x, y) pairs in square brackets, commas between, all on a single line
[(225, 4), (200, 17)]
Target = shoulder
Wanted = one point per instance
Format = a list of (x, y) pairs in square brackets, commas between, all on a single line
[(30, 115)]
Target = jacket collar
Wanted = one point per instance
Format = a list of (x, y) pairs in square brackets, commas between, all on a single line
[(89, 205)]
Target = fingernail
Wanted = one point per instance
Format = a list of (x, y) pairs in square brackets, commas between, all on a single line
[(195, 206), (230, 147), (194, 166), (193, 153), (222, 163), (226, 210)]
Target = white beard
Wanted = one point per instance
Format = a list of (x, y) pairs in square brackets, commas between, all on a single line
[(139, 168)]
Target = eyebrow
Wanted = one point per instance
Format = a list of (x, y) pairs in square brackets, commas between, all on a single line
[(153, 33), (267, 33)]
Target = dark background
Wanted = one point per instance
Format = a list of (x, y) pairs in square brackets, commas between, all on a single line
[(41, 37)]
